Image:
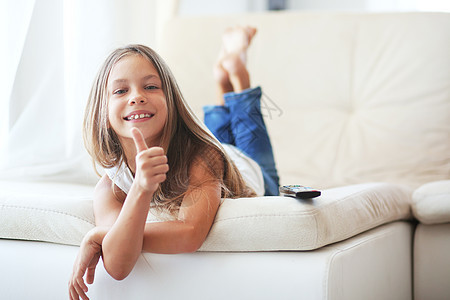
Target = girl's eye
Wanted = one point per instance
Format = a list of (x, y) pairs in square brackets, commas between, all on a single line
[(118, 92), (151, 87)]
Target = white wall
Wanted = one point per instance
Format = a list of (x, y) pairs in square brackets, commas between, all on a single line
[(354, 5), (327, 4), (215, 7)]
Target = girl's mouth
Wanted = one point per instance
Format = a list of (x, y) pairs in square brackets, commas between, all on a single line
[(138, 116)]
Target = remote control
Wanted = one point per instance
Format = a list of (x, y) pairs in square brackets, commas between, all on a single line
[(299, 191)]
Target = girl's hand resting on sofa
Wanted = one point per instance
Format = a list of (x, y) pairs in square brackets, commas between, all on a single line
[(85, 263)]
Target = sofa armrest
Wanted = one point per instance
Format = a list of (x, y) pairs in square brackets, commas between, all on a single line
[(431, 202), (62, 213)]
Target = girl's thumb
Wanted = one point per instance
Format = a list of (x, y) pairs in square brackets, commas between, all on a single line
[(139, 140)]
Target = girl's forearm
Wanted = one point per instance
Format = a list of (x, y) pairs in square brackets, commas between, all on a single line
[(172, 237), (123, 243)]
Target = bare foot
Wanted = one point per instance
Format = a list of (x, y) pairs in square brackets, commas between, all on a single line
[(230, 71), (236, 40)]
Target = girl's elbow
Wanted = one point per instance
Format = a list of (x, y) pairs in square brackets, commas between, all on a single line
[(118, 273), (116, 269), (119, 276), (118, 262), (192, 247), (193, 243)]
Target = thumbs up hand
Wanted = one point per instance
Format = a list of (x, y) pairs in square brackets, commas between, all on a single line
[(151, 163)]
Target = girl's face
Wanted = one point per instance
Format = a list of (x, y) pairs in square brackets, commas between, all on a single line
[(136, 99)]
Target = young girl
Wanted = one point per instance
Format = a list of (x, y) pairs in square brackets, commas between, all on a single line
[(157, 156)]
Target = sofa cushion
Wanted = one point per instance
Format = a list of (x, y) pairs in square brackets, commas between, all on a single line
[(50, 212), (286, 223), (62, 213), (431, 202)]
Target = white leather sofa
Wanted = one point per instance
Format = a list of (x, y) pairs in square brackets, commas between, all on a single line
[(357, 105)]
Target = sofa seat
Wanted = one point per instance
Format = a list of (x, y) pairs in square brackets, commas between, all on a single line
[(373, 265), (256, 245), (277, 229)]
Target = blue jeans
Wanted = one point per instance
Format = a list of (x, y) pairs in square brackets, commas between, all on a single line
[(240, 123)]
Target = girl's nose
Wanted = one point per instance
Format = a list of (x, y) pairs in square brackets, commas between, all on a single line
[(137, 100)]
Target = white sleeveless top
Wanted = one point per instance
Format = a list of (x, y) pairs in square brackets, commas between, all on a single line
[(250, 171)]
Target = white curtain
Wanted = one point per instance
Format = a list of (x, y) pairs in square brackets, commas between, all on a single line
[(51, 53)]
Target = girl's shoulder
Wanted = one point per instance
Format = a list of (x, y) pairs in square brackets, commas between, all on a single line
[(108, 201), (210, 156), (121, 176)]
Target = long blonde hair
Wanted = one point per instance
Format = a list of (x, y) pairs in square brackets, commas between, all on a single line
[(183, 138)]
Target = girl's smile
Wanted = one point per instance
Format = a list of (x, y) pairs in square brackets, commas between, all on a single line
[(139, 116)]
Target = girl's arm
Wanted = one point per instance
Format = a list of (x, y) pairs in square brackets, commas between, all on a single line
[(195, 218), (122, 244), (186, 234), (129, 235), (106, 209)]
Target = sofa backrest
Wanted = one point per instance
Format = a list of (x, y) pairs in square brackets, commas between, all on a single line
[(349, 97)]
